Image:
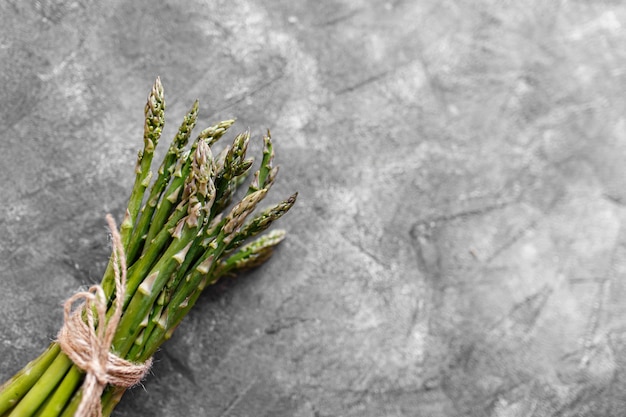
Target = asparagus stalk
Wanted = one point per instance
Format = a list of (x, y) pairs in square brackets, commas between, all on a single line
[(261, 222), (155, 118), (164, 174), (251, 255), (14, 389)]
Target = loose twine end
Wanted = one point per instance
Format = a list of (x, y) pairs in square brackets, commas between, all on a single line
[(86, 336)]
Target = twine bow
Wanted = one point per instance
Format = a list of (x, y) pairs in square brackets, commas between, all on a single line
[(86, 337)]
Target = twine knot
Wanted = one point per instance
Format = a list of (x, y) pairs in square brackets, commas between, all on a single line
[(86, 336)]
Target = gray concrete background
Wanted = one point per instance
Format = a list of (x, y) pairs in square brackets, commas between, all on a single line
[(457, 248)]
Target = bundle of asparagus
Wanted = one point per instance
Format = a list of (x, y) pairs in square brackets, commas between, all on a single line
[(182, 239)]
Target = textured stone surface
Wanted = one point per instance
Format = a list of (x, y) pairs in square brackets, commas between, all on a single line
[(457, 248)]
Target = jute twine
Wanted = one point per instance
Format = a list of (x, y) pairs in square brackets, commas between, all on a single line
[(86, 337)]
